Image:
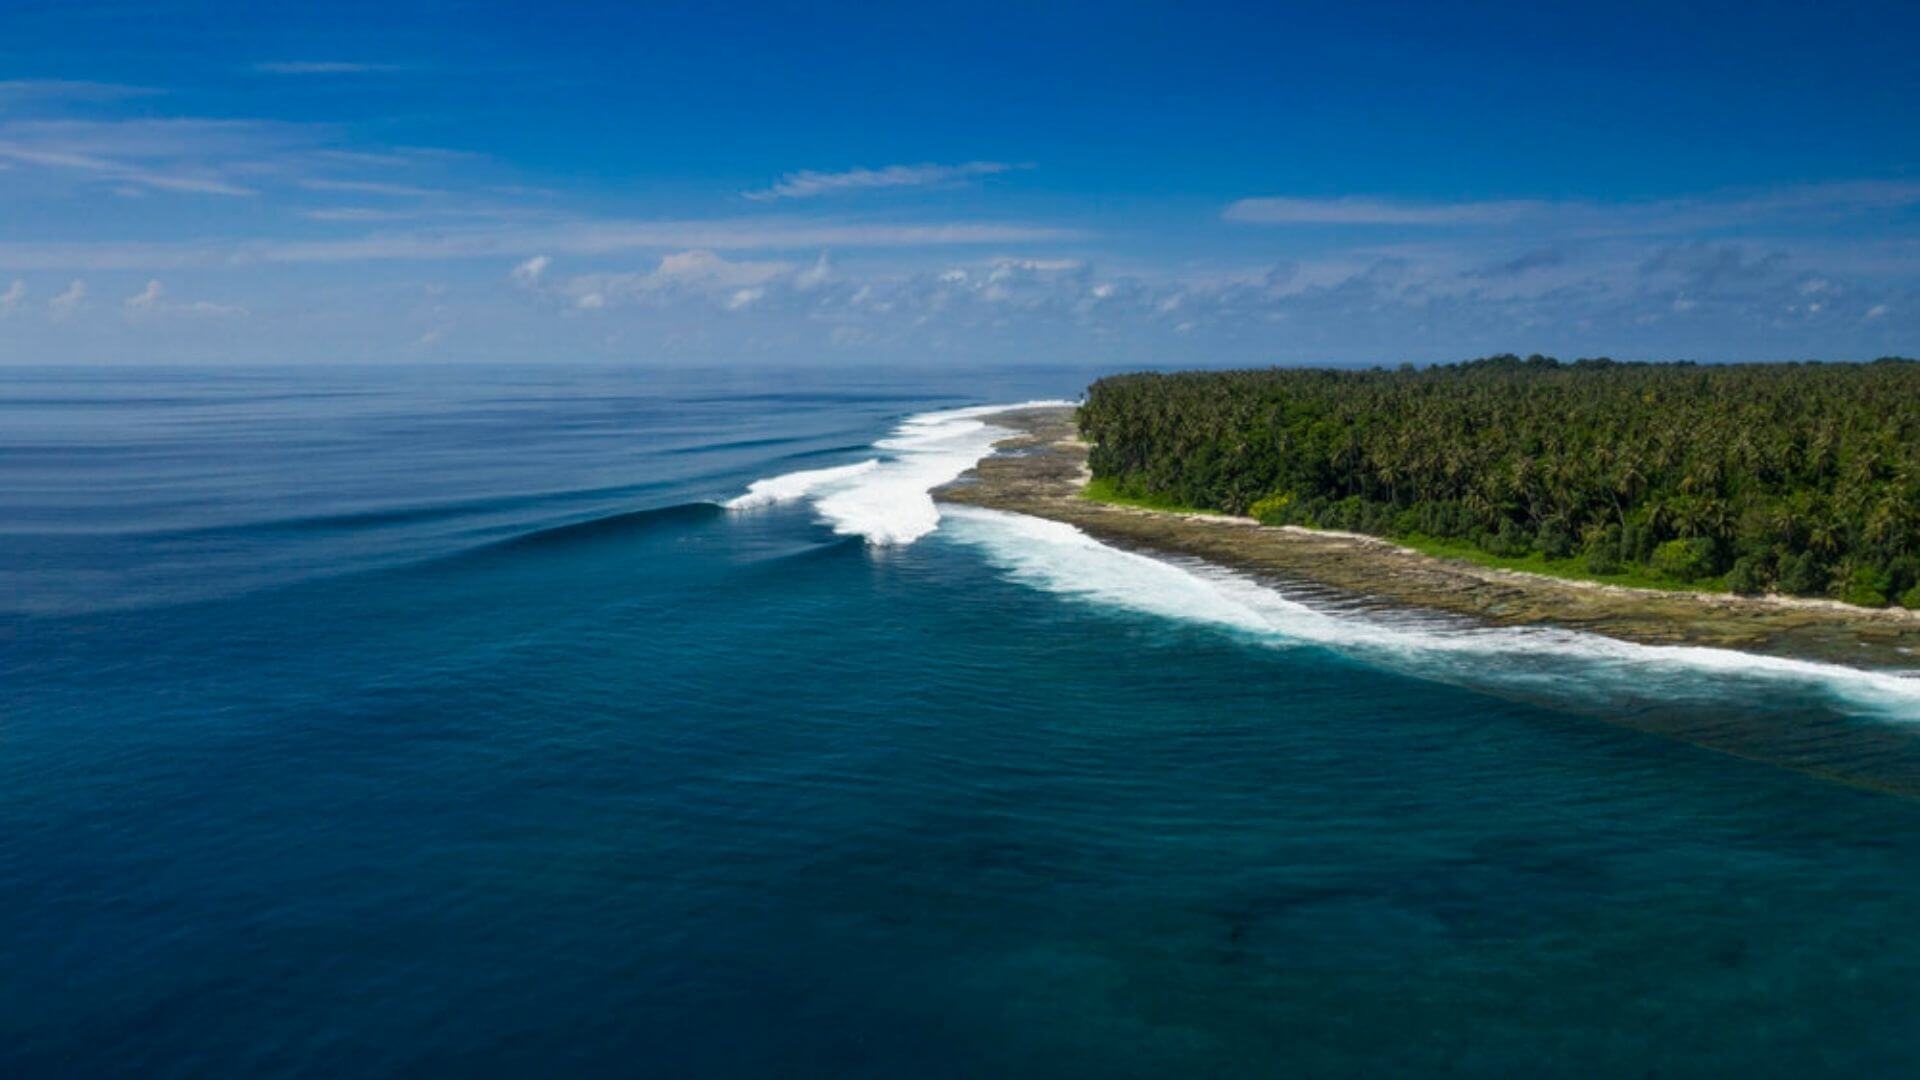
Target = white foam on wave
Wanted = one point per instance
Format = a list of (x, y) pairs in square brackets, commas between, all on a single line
[(796, 485), (889, 500), (1061, 559)]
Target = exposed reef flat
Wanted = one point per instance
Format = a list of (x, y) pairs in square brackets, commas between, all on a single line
[(1041, 469)]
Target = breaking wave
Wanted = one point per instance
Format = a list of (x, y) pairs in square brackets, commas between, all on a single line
[(796, 485), (889, 500), (1536, 661)]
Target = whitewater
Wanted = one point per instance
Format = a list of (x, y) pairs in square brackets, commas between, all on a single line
[(888, 501)]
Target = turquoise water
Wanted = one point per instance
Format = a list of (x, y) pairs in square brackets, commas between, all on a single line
[(382, 722)]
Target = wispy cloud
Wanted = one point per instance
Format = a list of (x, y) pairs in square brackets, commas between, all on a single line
[(194, 155), (808, 184), (1357, 210), (423, 211), (121, 172), (15, 295), (369, 187), (16, 92), (1707, 211), (610, 237), (1837, 197), (188, 156), (322, 67), (358, 214), (520, 241)]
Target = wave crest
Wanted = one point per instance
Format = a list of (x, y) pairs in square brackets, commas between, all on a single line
[(889, 500), (796, 485), (611, 524)]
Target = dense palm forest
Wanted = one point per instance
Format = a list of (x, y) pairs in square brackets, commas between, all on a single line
[(1796, 478)]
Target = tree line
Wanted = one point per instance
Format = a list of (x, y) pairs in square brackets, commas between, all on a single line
[(1801, 478)]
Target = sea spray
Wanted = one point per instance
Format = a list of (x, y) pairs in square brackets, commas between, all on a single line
[(796, 485), (889, 500)]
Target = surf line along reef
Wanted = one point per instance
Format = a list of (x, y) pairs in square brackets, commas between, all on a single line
[(1042, 469)]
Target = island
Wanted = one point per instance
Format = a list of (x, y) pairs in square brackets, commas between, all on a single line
[(1768, 507)]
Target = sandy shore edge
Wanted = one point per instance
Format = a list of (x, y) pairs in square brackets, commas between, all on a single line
[(1041, 467)]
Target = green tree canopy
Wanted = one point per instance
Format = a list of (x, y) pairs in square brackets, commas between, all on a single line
[(1805, 476)]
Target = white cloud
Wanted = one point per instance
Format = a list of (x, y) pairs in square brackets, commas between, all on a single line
[(147, 298), (1714, 210), (498, 241), (15, 92), (208, 307), (732, 283), (369, 187), (416, 212), (68, 302), (321, 67), (700, 267), (1877, 311), (120, 171), (1833, 196), (820, 273), (528, 273), (186, 156), (195, 155), (808, 184), (1343, 308), (12, 298), (1004, 268), (359, 213), (1355, 210), (152, 301)]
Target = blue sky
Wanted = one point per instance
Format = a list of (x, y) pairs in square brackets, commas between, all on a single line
[(1117, 183)]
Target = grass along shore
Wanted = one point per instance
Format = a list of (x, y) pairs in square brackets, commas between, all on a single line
[(1572, 568), (1041, 470)]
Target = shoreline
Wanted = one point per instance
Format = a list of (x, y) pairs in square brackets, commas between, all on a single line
[(1041, 469)]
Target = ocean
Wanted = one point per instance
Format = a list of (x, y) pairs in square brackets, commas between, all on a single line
[(624, 721)]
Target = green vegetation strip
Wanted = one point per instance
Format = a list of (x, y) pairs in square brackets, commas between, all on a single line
[(1107, 491), (1751, 478), (1571, 569)]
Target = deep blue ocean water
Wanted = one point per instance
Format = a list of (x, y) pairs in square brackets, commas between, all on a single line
[(372, 722)]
